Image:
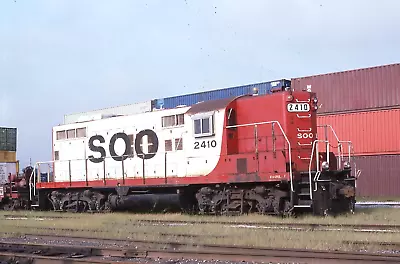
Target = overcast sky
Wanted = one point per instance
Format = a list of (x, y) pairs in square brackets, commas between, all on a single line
[(59, 57)]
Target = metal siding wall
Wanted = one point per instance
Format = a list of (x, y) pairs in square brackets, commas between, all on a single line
[(8, 156), (191, 99), (380, 175), (371, 132), (368, 88), (117, 110)]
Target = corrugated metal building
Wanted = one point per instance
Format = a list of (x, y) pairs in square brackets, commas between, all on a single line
[(362, 105), (361, 89), (130, 109), (372, 132), (380, 175), (191, 99)]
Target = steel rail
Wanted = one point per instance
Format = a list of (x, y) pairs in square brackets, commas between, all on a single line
[(249, 226), (39, 259), (313, 226), (55, 229), (68, 252), (280, 226)]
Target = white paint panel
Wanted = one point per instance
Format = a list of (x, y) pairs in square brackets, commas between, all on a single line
[(3, 173), (95, 174), (6, 169), (202, 161), (62, 169)]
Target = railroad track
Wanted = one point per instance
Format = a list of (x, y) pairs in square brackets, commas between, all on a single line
[(274, 226), (37, 217), (77, 230), (45, 253), (290, 226), (394, 246)]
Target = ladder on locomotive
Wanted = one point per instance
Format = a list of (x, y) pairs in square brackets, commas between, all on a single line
[(33, 179), (308, 182)]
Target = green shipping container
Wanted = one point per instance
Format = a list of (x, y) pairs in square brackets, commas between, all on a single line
[(8, 139)]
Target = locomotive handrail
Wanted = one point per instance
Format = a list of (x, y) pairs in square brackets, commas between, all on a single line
[(287, 140), (33, 178), (340, 144), (337, 139), (315, 146), (32, 185)]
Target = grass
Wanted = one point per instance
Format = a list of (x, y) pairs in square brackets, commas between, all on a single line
[(362, 216), (124, 225)]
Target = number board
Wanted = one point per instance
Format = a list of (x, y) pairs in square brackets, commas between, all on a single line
[(298, 107)]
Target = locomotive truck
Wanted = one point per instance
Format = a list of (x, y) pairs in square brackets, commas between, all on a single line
[(245, 154)]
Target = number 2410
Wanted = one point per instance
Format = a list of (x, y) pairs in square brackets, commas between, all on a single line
[(205, 144)]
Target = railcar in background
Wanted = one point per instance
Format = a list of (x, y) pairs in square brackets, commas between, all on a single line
[(244, 154)]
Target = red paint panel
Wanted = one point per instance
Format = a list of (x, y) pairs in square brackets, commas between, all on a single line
[(368, 88), (274, 108), (372, 132), (380, 175)]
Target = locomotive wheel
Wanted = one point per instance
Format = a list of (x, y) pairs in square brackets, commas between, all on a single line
[(9, 206)]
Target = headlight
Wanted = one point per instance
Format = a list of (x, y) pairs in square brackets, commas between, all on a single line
[(325, 165), (255, 91), (347, 165)]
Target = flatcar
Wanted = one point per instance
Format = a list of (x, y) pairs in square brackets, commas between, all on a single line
[(245, 154)]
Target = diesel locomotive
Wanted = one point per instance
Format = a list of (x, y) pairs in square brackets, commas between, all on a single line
[(245, 154)]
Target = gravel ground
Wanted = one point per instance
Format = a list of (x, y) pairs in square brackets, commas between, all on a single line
[(192, 261), (72, 241), (121, 244), (102, 243)]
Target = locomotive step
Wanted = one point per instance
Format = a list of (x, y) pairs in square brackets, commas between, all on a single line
[(304, 183), (304, 202), (302, 206)]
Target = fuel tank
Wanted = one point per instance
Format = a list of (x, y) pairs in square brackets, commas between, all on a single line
[(147, 203)]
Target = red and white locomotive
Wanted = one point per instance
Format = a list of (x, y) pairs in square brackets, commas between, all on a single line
[(252, 153)]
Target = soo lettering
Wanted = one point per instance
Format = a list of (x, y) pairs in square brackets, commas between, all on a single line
[(152, 148)]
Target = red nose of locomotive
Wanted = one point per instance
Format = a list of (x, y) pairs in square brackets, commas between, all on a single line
[(301, 109)]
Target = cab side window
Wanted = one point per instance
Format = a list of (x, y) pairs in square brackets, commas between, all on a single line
[(203, 126)]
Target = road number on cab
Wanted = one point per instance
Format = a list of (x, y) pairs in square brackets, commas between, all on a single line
[(205, 144), (298, 107)]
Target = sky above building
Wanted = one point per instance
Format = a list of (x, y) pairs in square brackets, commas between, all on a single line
[(61, 57)]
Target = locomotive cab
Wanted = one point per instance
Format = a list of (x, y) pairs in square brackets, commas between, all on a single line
[(323, 180), (328, 184)]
